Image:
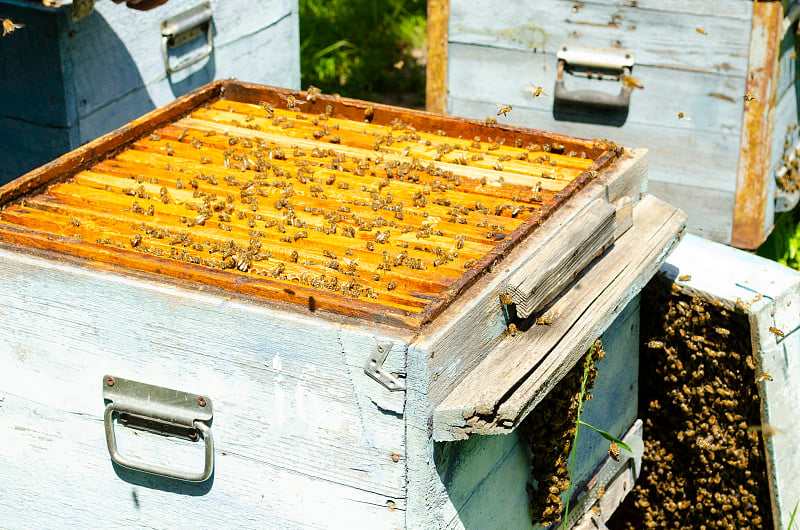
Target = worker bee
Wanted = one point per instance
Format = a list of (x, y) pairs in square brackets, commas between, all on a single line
[(776, 331), (543, 321), (628, 81), (512, 330), (701, 31), (655, 344), (312, 93), (748, 97), (170, 152), (682, 115), (369, 112), (136, 240), (391, 285), (535, 92), (684, 277), (9, 26), (503, 109), (764, 376), (291, 101), (491, 120), (75, 222), (613, 451)]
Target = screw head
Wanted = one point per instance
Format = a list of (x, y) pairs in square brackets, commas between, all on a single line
[(201, 401), (109, 380)]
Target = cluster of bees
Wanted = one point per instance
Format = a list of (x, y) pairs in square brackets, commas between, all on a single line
[(549, 432), (788, 171), (703, 461), (368, 211)]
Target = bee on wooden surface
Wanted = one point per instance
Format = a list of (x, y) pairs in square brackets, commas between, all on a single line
[(291, 101), (628, 81), (369, 112), (682, 115), (312, 93), (503, 109), (776, 331), (470, 263), (749, 97), (170, 152), (75, 222), (543, 321), (701, 31), (613, 451), (391, 285), (512, 330), (491, 120), (9, 26), (136, 240)]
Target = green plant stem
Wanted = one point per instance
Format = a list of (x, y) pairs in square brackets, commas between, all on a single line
[(794, 513), (609, 437), (586, 366)]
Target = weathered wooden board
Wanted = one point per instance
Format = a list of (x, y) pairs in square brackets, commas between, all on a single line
[(769, 293), (519, 371), (480, 316), (294, 412), (481, 482)]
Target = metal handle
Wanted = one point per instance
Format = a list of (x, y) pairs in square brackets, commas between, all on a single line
[(185, 27), (161, 410), (589, 62)]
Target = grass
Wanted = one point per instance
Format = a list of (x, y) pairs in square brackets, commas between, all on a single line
[(365, 49), (783, 244)]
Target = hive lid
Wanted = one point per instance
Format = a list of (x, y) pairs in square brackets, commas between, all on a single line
[(323, 202)]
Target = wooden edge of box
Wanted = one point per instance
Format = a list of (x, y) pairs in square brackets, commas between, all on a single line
[(436, 69), (498, 393), (478, 312), (81, 158), (754, 173), (769, 294)]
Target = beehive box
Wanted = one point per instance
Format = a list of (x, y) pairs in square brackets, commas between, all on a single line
[(69, 81), (713, 152), (347, 283)]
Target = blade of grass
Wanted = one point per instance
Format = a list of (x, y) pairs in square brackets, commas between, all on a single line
[(794, 513), (607, 436), (586, 366)]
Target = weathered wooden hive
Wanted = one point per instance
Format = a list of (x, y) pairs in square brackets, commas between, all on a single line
[(717, 112), (352, 286)]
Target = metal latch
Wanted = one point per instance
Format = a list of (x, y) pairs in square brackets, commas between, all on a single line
[(162, 411), (600, 63), (374, 367), (183, 28)]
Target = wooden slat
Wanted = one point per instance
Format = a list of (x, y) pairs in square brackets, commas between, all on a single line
[(754, 175), (436, 69), (500, 391)]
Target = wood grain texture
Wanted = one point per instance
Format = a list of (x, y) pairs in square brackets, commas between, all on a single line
[(659, 36), (436, 69), (770, 295), (290, 396), (753, 177), (497, 394), (479, 313)]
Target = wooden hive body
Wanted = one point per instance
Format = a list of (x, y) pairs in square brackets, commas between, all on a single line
[(712, 153), (302, 433), (51, 104)]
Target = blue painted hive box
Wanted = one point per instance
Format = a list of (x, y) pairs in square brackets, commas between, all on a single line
[(313, 311), (68, 81), (717, 108)]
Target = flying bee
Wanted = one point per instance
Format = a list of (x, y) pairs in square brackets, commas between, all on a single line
[(748, 97), (9, 26), (535, 92), (776, 331), (503, 109), (628, 81), (682, 115), (543, 321)]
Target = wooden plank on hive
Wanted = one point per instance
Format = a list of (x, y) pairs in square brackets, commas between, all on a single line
[(769, 294), (505, 386), (436, 69), (754, 175)]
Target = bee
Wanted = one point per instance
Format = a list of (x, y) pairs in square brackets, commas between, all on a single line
[(503, 109), (684, 277), (776, 331), (628, 81), (764, 376), (535, 92), (655, 344), (75, 222), (682, 115), (722, 331), (701, 31), (491, 120), (136, 240), (748, 97), (369, 112), (543, 321), (613, 451), (291, 101), (512, 330), (391, 285), (170, 152), (9, 26)]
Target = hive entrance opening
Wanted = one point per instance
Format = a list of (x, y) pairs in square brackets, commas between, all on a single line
[(303, 207)]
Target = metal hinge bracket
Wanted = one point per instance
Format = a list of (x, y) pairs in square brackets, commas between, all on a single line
[(374, 367)]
